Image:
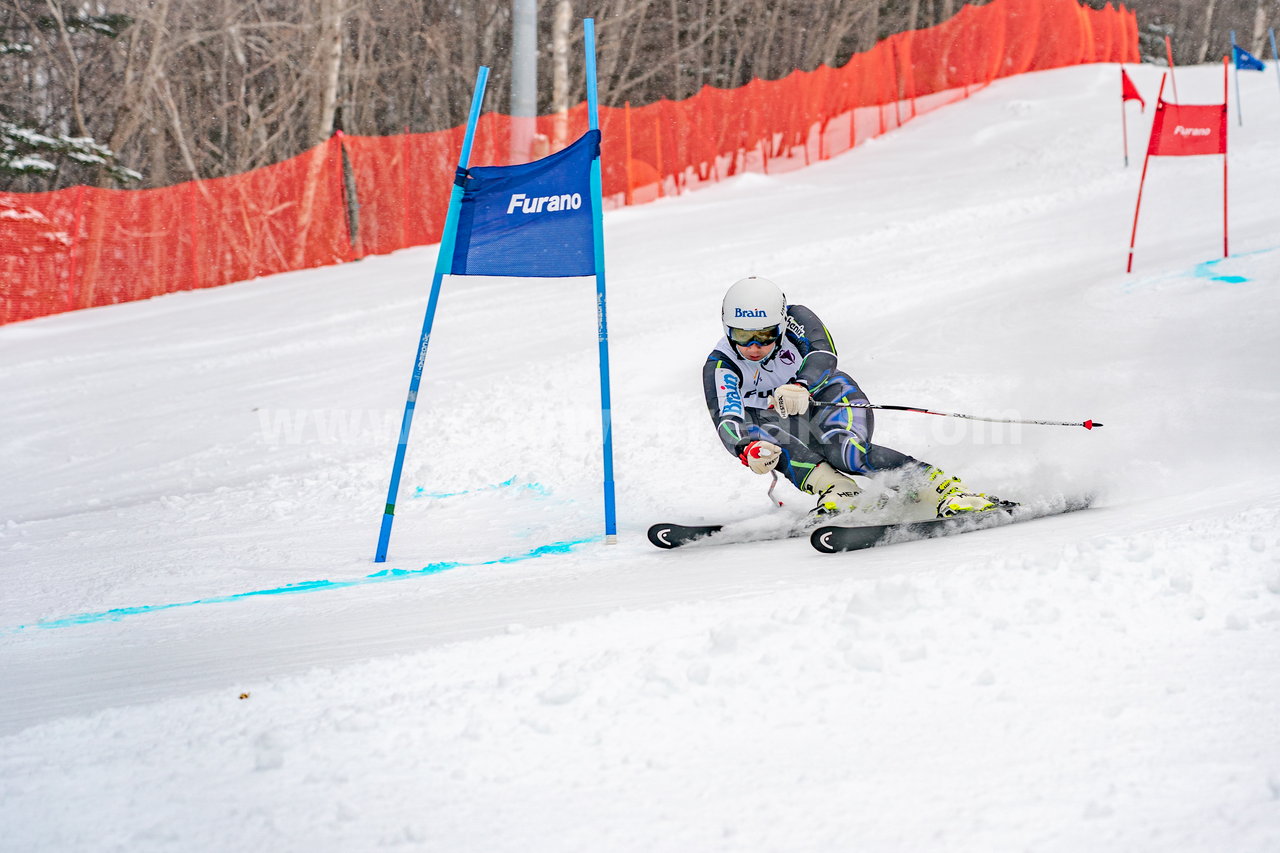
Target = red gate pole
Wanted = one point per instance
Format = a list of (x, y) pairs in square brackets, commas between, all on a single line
[(1133, 235)]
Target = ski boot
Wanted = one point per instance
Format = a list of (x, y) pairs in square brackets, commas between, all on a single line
[(837, 493), (954, 498)]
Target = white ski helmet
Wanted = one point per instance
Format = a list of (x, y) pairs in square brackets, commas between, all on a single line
[(753, 303)]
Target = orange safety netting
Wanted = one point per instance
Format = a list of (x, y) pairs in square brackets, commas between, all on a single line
[(83, 246)]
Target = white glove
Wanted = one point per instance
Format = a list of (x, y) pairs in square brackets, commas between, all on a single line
[(790, 400), (761, 456)]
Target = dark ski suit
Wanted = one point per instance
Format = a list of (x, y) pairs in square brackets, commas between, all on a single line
[(737, 391)]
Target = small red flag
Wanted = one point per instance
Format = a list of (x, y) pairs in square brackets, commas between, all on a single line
[(1181, 130), (1128, 91)]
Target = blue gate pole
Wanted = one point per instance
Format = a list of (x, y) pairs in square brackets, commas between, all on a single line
[(444, 262), (602, 321)]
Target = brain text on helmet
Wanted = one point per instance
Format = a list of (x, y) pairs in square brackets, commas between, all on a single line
[(544, 203), (747, 312)]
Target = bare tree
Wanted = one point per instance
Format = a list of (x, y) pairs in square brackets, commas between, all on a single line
[(1258, 42), (329, 48), (560, 30)]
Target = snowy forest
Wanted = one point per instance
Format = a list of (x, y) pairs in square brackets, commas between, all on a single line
[(147, 93)]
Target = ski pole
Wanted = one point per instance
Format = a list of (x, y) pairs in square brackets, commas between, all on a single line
[(1090, 424), (773, 485)]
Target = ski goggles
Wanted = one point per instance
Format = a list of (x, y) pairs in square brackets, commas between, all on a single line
[(755, 337)]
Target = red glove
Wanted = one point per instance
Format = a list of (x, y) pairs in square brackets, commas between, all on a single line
[(761, 456)]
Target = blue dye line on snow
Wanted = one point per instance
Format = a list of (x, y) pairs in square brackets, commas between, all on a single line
[(1208, 271), (536, 488), (118, 613)]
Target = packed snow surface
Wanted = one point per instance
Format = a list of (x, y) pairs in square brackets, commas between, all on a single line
[(197, 652)]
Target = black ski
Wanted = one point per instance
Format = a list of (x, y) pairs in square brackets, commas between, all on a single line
[(675, 535), (761, 529), (832, 539)]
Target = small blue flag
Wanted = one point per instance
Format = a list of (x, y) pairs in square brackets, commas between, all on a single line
[(530, 219), (1246, 61)]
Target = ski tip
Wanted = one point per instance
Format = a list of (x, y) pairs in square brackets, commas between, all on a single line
[(1091, 425), (668, 536), (659, 534), (820, 539)]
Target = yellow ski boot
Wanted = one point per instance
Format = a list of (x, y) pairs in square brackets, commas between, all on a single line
[(955, 498), (837, 492)]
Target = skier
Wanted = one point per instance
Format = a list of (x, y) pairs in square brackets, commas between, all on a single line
[(765, 383)]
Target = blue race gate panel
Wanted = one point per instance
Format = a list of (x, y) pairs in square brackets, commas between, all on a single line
[(532, 219)]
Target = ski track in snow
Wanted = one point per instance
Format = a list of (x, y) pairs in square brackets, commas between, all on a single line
[(198, 654)]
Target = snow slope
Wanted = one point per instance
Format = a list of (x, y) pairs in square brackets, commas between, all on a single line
[(198, 654)]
